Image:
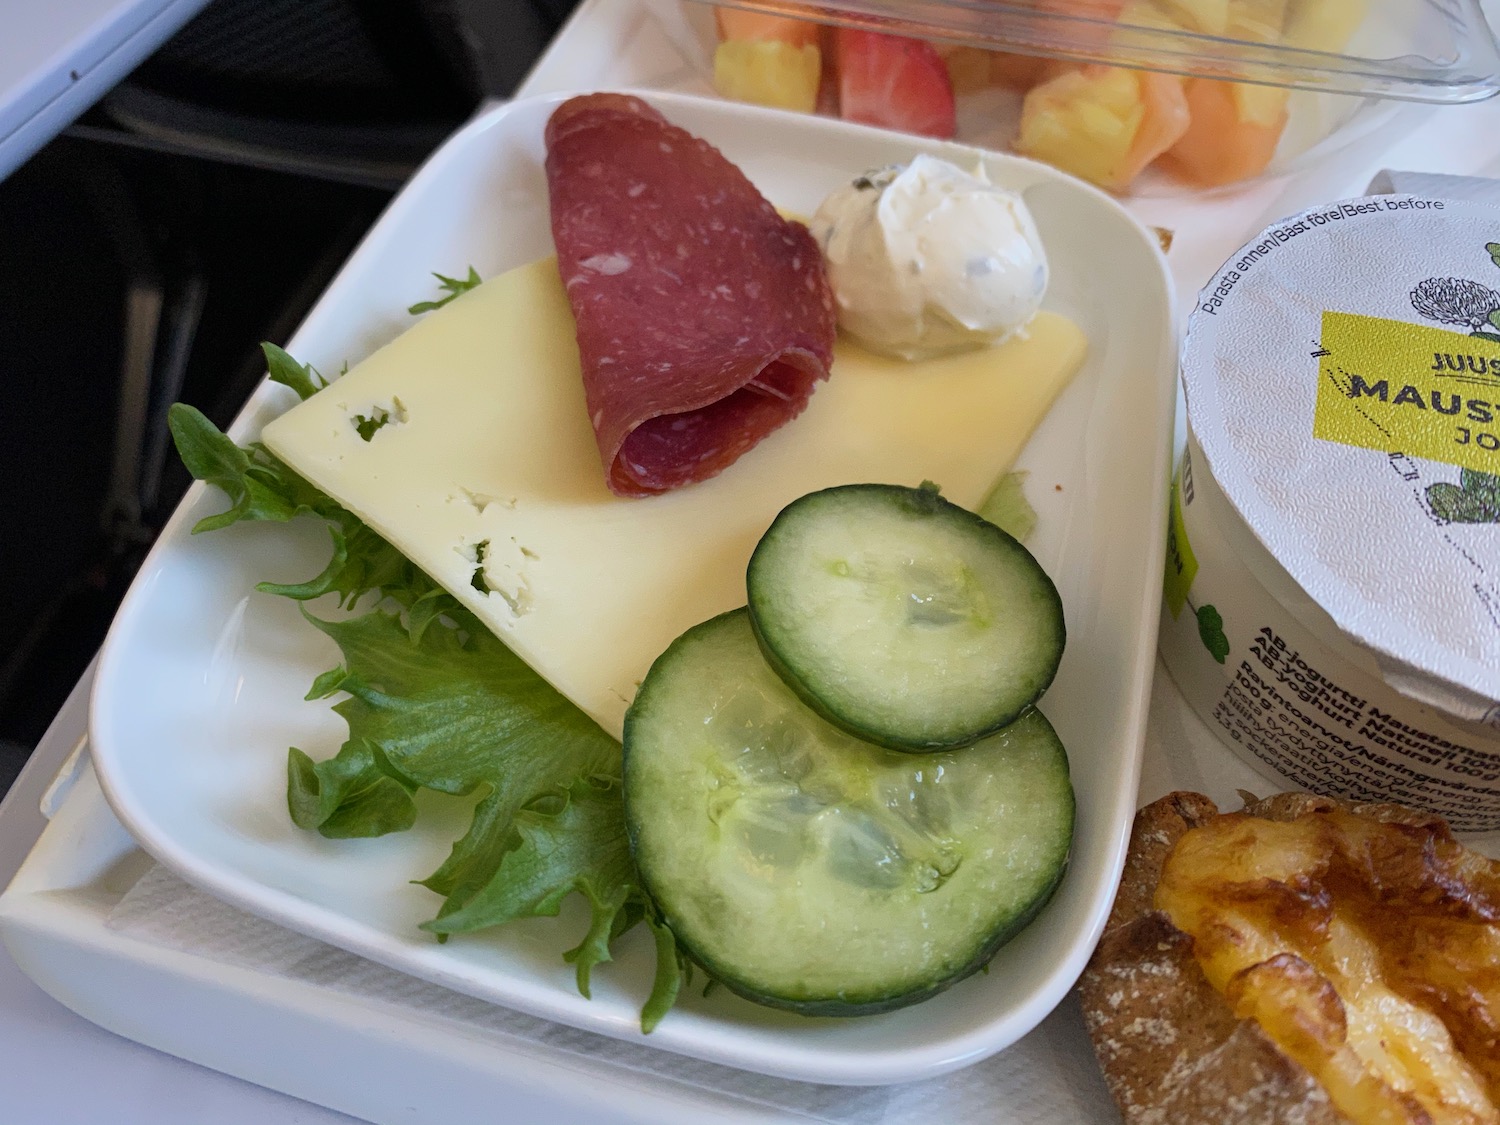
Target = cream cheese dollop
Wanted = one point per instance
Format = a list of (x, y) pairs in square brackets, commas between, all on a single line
[(927, 258)]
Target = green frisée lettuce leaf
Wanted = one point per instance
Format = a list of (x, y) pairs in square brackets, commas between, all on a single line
[(261, 487), (300, 377), (571, 840), (434, 700), (452, 286), (458, 712), (1007, 508), (348, 795)]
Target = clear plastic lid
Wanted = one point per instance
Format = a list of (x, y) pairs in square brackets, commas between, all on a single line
[(1419, 50)]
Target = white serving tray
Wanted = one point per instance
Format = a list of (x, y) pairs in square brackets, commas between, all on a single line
[(200, 683), (54, 916), (361, 1054), (391, 1055)]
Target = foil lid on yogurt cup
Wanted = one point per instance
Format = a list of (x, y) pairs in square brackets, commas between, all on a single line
[(1342, 374)]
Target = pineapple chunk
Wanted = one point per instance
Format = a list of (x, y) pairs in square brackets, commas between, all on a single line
[(1210, 17), (1082, 123), (1154, 14), (1324, 25), (1103, 124), (1262, 106), (1260, 21), (768, 73)]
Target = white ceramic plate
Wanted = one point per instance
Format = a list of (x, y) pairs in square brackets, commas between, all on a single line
[(201, 682)]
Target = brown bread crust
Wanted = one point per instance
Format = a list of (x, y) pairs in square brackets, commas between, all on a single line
[(1172, 1051)]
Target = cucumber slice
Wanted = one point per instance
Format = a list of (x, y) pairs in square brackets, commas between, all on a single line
[(903, 618), (807, 869)]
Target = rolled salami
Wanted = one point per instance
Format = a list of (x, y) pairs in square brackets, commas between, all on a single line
[(704, 318)]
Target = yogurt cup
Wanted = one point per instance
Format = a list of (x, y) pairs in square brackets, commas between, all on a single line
[(1332, 595)]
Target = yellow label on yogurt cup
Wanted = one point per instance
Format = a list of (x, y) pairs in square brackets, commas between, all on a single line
[(1406, 388)]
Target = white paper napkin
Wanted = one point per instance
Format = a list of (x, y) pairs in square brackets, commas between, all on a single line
[(1049, 1078)]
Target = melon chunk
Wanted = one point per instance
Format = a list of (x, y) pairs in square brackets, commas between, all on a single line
[(1233, 135), (737, 25)]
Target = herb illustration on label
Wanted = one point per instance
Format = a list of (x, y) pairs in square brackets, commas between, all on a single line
[(1474, 499), (1457, 300), (1211, 632)]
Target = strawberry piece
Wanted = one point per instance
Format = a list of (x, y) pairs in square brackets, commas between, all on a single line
[(894, 82)]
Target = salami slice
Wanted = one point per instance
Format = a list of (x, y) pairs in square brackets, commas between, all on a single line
[(704, 318)]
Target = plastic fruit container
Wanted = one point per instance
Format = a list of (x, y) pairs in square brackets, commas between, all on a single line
[(1134, 95)]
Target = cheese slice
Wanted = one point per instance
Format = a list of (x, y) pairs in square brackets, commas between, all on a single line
[(486, 475)]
